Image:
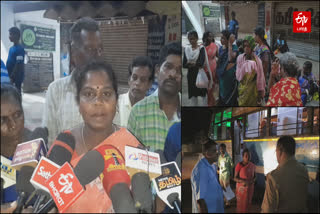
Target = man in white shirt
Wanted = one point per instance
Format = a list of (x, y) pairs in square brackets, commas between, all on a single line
[(61, 111), (141, 75)]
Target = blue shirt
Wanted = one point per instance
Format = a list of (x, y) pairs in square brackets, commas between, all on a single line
[(233, 24), (16, 56), (153, 87), (305, 85), (172, 145), (205, 185), (4, 73)]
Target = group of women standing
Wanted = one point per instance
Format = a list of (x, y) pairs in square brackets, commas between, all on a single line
[(240, 79), (201, 56)]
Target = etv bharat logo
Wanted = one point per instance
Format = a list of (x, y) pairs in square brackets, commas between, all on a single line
[(302, 22)]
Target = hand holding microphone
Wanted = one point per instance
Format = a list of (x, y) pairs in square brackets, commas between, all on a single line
[(60, 153)]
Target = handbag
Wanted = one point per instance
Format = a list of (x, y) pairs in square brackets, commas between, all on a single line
[(202, 79)]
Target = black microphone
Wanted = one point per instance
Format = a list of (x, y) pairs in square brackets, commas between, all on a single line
[(23, 186), (89, 167), (40, 132), (173, 199), (59, 154), (171, 196), (121, 198), (162, 157), (141, 190)]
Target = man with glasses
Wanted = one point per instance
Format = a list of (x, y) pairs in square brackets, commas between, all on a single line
[(151, 118), (287, 185), (61, 111), (207, 195)]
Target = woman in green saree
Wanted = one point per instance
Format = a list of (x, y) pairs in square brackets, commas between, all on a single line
[(250, 76)]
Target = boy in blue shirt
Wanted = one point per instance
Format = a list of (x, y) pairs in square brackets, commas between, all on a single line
[(307, 83), (15, 62), (233, 26)]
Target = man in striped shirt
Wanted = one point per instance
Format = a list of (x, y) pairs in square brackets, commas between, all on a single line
[(151, 118), (61, 110)]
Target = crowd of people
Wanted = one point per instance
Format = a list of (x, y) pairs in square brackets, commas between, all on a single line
[(246, 72), (87, 105), (286, 187)]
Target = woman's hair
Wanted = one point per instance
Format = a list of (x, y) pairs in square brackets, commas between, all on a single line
[(206, 35), (226, 33), (246, 150), (95, 66), (222, 145), (289, 63), (193, 33), (259, 31), (8, 90)]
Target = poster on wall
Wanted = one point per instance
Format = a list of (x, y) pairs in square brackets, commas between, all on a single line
[(156, 37), (38, 38), (173, 29), (38, 71)]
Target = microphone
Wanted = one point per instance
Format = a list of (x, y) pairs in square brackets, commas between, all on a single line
[(83, 174), (173, 199), (28, 154), (62, 149), (23, 186), (162, 157), (168, 185), (40, 132), (139, 160), (8, 174), (115, 180), (141, 190), (61, 152)]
